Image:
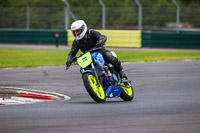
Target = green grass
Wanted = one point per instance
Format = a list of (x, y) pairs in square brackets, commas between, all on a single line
[(135, 56), (33, 58)]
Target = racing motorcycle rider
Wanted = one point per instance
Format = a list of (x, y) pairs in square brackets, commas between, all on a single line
[(86, 39)]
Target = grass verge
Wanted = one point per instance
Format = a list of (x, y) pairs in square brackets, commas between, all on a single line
[(34, 58)]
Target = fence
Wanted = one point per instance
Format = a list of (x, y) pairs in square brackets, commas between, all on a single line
[(123, 18), (39, 18), (152, 17)]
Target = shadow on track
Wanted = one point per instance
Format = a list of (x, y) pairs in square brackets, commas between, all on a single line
[(116, 101)]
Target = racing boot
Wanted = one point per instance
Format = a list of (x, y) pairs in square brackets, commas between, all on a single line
[(120, 70), (118, 66)]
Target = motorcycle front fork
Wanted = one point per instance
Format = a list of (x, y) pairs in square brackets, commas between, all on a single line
[(95, 74)]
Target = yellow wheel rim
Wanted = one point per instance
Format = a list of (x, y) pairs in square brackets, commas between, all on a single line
[(98, 90), (127, 90)]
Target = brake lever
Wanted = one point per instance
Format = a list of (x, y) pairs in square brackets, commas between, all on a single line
[(71, 63)]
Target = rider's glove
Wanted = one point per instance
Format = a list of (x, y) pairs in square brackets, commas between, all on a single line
[(99, 44)]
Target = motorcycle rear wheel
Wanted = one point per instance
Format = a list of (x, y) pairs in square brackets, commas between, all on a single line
[(95, 92)]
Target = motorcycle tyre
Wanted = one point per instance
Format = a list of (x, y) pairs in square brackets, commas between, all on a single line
[(124, 96), (90, 89)]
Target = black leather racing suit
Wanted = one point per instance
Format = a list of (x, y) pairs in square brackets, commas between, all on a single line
[(94, 39)]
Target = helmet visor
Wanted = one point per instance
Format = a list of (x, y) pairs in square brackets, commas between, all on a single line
[(77, 32)]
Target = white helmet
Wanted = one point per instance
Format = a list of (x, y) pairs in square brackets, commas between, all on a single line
[(79, 25)]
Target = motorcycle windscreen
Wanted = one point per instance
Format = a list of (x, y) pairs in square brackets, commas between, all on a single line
[(85, 60)]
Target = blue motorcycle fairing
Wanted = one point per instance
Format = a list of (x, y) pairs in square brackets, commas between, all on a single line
[(113, 91), (98, 59)]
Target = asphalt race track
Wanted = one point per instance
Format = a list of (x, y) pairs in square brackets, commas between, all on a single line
[(167, 100)]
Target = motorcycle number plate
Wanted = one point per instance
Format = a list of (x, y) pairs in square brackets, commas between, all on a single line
[(85, 60)]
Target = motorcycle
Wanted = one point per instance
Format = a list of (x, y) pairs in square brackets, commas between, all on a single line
[(100, 78)]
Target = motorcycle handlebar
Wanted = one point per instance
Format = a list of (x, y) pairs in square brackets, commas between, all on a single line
[(93, 49), (75, 58)]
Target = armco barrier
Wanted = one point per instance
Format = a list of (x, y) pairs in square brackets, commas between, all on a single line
[(171, 39), (32, 36), (117, 38)]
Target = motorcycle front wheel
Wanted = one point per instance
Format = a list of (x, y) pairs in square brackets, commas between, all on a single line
[(96, 92)]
